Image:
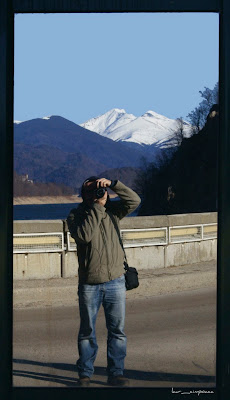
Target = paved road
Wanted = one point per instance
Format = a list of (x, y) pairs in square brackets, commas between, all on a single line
[(171, 343)]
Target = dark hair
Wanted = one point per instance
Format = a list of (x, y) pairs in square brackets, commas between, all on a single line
[(90, 179)]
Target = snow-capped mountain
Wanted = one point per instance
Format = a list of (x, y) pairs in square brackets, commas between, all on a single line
[(108, 122), (148, 129)]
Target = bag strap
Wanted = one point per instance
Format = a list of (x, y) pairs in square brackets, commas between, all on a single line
[(119, 237)]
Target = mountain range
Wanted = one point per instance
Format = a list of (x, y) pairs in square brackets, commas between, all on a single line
[(150, 128), (54, 149)]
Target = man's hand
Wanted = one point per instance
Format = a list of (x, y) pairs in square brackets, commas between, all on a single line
[(103, 182)]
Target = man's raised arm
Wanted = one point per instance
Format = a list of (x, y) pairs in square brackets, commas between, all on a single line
[(129, 199)]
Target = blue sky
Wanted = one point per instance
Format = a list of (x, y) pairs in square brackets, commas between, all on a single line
[(81, 65)]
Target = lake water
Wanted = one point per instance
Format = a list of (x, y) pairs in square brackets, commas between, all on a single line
[(46, 211)]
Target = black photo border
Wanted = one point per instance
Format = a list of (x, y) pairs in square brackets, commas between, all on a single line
[(8, 8)]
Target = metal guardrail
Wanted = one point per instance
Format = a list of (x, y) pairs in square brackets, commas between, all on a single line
[(38, 242), (161, 236), (209, 231), (192, 233), (71, 244), (134, 238), (179, 234), (54, 242), (144, 237)]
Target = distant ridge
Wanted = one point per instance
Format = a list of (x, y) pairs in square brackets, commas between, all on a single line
[(60, 151), (54, 149)]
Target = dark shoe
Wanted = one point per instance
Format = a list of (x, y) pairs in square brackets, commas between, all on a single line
[(118, 380), (84, 381)]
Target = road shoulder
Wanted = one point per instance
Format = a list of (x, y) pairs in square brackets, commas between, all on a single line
[(63, 291)]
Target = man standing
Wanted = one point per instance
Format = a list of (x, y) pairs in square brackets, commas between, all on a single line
[(101, 273)]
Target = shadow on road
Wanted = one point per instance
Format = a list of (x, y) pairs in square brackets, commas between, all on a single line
[(101, 371), (47, 377)]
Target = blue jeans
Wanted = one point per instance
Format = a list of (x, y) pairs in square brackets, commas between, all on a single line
[(112, 296)]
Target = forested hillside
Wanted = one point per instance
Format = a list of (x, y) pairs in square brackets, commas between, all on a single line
[(188, 182)]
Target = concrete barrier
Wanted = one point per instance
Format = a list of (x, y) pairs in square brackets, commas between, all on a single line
[(39, 261), (190, 253), (37, 266), (53, 257)]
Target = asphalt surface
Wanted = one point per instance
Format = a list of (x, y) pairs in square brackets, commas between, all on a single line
[(171, 342)]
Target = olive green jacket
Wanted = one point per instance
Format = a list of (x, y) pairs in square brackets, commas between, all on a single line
[(100, 255)]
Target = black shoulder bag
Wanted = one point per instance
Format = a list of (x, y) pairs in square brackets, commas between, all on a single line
[(131, 274)]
